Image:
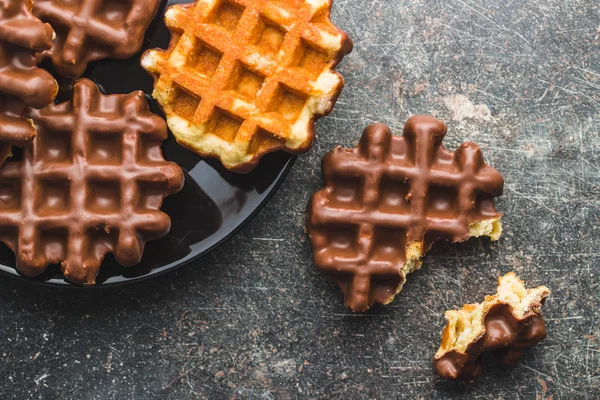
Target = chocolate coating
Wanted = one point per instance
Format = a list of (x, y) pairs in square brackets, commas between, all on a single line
[(506, 336), (391, 192), (22, 83), (91, 30), (91, 184)]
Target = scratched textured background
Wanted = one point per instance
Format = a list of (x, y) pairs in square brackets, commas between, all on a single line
[(256, 320)]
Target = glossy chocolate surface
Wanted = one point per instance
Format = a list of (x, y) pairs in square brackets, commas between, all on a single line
[(91, 183), (390, 192), (22, 83), (91, 30)]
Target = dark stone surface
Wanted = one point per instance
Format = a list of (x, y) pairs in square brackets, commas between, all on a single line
[(256, 320)]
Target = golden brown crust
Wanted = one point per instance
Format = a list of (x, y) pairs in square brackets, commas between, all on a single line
[(243, 78)]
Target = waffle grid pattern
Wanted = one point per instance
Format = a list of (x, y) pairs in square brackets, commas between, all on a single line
[(250, 75), (71, 194), (389, 193), (90, 30)]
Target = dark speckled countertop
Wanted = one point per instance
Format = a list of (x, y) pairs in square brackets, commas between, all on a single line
[(256, 320)]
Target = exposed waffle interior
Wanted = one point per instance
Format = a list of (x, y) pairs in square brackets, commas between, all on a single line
[(505, 323), (245, 77), (90, 30), (92, 183), (22, 83), (388, 200)]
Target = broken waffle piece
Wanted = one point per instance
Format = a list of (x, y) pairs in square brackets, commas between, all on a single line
[(504, 324), (91, 183), (242, 78), (388, 200), (91, 30), (22, 83)]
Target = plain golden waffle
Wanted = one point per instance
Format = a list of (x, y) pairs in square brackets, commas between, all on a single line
[(245, 77), (386, 202), (92, 183)]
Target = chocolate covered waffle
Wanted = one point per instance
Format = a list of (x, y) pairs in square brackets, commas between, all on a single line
[(91, 30), (22, 83), (242, 78), (504, 324), (388, 200), (92, 183)]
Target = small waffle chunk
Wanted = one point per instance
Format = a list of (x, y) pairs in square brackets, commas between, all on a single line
[(242, 78), (92, 183), (505, 324), (387, 201), (22, 83), (91, 30)]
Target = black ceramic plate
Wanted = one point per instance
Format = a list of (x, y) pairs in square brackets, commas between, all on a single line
[(212, 206)]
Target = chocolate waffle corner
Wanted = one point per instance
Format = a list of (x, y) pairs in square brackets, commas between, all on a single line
[(242, 78), (505, 324), (91, 30), (388, 200), (22, 83), (92, 183)]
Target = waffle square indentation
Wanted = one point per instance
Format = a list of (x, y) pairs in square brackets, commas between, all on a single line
[(247, 83), (103, 196), (54, 196), (269, 37), (227, 15)]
